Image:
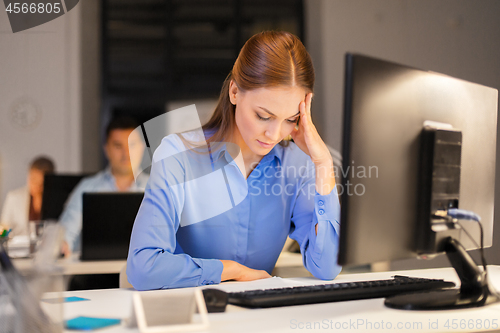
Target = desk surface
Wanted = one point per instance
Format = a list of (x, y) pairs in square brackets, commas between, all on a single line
[(362, 315), (77, 267), (73, 266)]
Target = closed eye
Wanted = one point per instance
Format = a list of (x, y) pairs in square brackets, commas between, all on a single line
[(262, 118), (291, 121)]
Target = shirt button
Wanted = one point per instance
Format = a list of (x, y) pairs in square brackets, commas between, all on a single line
[(321, 212), (321, 202)]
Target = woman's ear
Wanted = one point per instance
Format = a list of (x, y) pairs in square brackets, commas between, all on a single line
[(233, 92)]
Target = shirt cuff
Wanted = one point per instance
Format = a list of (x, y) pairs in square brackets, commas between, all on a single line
[(327, 207), (211, 271), (327, 211)]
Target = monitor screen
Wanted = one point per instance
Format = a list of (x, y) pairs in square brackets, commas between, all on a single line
[(56, 190), (385, 108)]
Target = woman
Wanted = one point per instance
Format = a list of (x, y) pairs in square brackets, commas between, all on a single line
[(206, 220), (25, 203)]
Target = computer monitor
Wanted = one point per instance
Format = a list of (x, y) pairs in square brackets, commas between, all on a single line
[(56, 190), (107, 223), (415, 143)]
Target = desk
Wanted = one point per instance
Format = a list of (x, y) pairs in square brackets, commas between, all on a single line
[(76, 267), (353, 316), (73, 266)]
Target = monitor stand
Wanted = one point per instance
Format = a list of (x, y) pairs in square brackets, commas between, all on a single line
[(474, 289)]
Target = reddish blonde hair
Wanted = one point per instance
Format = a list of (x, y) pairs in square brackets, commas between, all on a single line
[(268, 59)]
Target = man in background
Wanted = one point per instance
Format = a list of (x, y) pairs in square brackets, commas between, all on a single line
[(117, 177), (25, 204)]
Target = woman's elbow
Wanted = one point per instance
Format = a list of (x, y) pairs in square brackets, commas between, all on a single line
[(135, 278), (140, 276), (330, 274), (327, 273)]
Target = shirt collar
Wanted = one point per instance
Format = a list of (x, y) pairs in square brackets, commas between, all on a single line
[(274, 154), (107, 173)]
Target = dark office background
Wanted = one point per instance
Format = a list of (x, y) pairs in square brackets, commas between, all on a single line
[(157, 51)]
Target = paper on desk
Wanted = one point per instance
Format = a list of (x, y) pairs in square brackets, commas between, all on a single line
[(269, 283), (19, 241), (19, 246)]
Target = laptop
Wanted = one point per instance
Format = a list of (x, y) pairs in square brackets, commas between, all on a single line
[(107, 223)]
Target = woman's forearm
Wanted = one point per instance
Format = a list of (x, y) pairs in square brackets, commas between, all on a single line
[(238, 272), (230, 271), (325, 177)]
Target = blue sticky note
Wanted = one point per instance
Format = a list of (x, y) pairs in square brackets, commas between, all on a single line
[(65, 300), (75, 299), (90, 323)]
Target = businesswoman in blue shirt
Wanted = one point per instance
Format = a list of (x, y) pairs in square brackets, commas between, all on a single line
[(198, 227)]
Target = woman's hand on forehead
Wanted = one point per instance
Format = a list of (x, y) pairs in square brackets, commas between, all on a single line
[(307, 137)]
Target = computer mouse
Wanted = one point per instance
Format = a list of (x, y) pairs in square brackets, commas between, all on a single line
[(215, 299)]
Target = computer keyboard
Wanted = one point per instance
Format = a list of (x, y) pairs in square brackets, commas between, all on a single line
[(335, 292)]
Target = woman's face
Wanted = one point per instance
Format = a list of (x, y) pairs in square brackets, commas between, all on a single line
[(35, 182), (264, 116)]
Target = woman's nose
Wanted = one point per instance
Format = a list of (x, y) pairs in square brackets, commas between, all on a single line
[(273, 133)]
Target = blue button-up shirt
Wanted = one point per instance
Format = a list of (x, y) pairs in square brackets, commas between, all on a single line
[(71, 217), (191, 218)]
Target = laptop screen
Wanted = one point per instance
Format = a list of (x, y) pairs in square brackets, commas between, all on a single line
[(107, 224)]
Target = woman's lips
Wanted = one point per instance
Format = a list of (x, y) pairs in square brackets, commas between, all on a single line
[(265, 145)]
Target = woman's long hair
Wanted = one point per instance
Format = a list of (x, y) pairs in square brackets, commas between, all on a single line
[(268, 59)]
